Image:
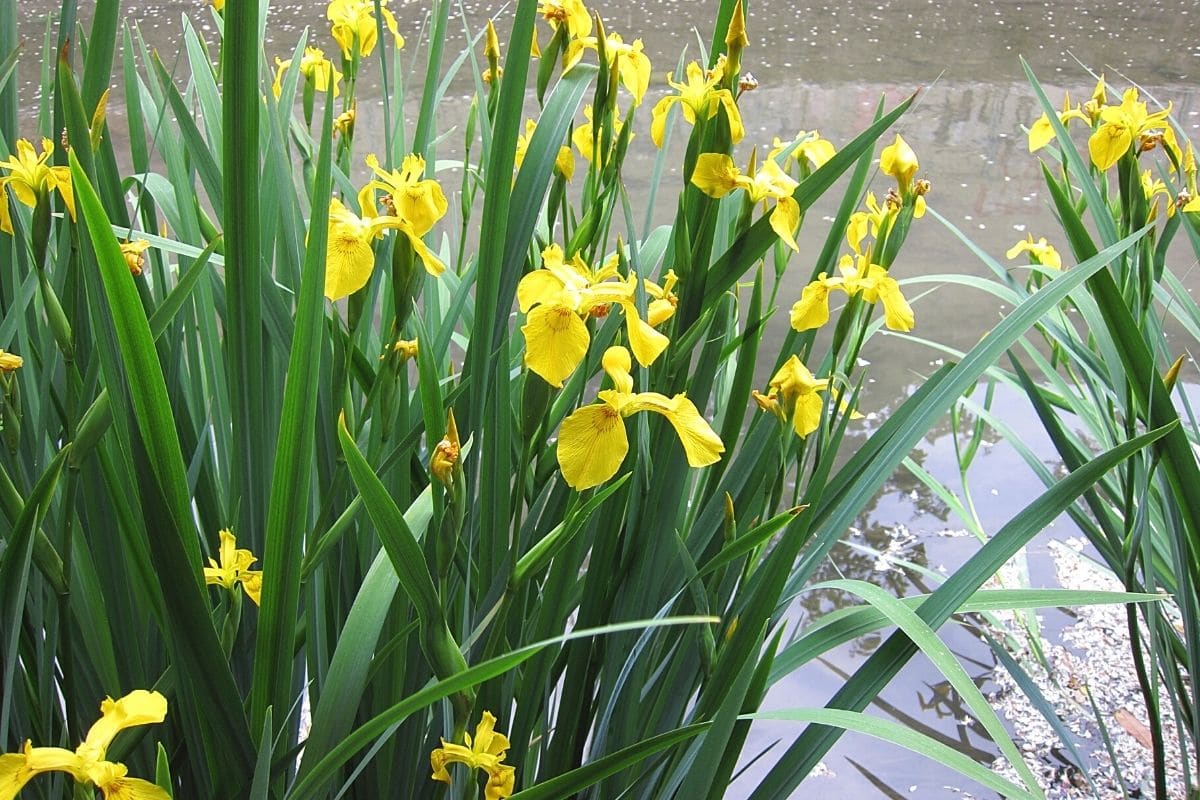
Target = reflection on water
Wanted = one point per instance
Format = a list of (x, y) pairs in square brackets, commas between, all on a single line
[(825, 67)]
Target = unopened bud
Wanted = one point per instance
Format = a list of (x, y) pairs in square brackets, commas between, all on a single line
[(1173, 374)]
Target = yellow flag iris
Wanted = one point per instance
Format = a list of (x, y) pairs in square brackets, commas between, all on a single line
[(485, 751), (564, 161), (592, 442), (700, 99), (354, 27), (558, 298), (900, 162), (317, 70), (795, 392), (234, 568), (858, 276), (1041, 132), (31, 178), (632, 64), (1125, 126), (413, 204), (716, 175), (807, 146), (583, 135), (572, 14), (10, 362), (87, 764), (1041, 251)]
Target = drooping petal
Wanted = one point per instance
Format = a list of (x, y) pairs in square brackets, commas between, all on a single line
[(350, 260), (646, 343), (806, 415), (897, 314), (1041, 133), (448, 754), (252, 583), (1108, 144), (133, 789), (433, 265), (700, 442), (812, 309), (784, 221), (139, 707), (736, 130), (539, 286), (715, 174), (592, 443), (658, 118), (634, 68), (500, 783), (556, 340), (14, 774)]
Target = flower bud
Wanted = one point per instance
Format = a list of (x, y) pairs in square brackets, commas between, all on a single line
[(445, 454), (900, 162)]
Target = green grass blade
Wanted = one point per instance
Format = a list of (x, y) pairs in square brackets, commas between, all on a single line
[(291, 481), (889, 731)]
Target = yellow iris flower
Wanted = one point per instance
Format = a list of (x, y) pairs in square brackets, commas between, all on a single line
[(716, 175), (808, 145), (858, 276), (134, 258), (700, 99), (1041, 132), (31, 179), (354, 27), (558, 297), (316, 69), (10, 362), (583, 134), (1124, 126), (631, 63), (1041, 251), (234, 568), (900, 162), (795, 392), (592, 442), (571, 13), (564, 161), (413, 204), (86, 764), (485, 752)]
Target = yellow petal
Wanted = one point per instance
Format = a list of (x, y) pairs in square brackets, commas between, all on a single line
[(634, 68), (252, 584), (1041, 133), (556, 340), (700, 442), (14, 774), (592, 443), (133, 789), (899, 161), (806, 416), (1108, 144), (897, 314), (349, 260), (500, 783), (646, 343), (715, 174), (658, 118), (564, 163), (812, 309), (784, 221), (139, 707), (539, 286), (736, 130), (433, 265)]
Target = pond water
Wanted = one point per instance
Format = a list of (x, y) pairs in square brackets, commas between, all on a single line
[(825, 67)]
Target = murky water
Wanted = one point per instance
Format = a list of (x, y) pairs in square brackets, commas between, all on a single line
[(825, 67)]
